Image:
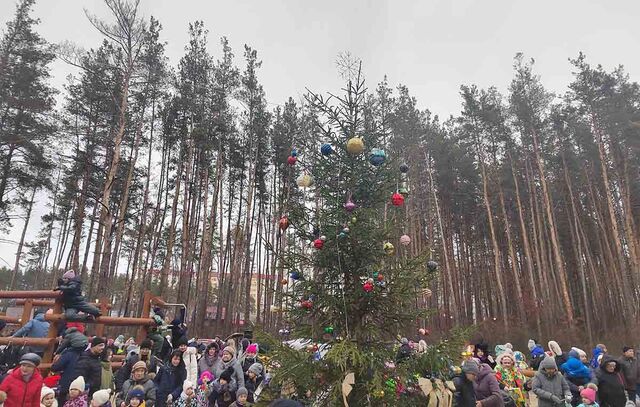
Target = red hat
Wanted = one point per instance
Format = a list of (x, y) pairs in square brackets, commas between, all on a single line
[(78, 325)]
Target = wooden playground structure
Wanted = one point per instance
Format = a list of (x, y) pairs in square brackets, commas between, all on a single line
[(52, 300)]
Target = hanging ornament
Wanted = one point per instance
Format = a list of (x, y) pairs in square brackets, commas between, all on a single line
[(306, 304), (342, 235), (368, 286), (355, 145), (346, 230), (294, 152), (295, 275), (284, 281), (292, 160), (422, 331), (404, 168), (388, 248), (377, 157), (379, 277), (326, 149), (304, 180), (312, 347), (349, 206), (397, 199), (328, 329), (375, 274), (378, 394), (391, 383), (427, 293), (283, 223), (405, 240), (354, 220), (432, 265), (403, 189), (318, 243)]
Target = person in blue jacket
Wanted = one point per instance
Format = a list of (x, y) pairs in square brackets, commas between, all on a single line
[(35, 328)]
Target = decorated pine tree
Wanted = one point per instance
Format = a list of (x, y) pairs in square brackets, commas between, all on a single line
[(351, 284)]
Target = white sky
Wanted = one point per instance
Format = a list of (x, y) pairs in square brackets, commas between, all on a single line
[(432, 46)]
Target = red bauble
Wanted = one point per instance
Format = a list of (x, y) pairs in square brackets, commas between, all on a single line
[(284, 281), (291, 160), (318, 243), (368, 286), (306, 304), (380, 277), (283, 223), (397, 199)]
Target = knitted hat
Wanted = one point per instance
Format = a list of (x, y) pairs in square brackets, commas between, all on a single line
[(187, 384), (101, 396), (77, 384), (230, 351), (30, 359), (548, 363), (626, 348), (505, 355), (78, 325), (404, 341), (139, 365), (97, 341), (470, 366), (206, 375), (253, 348), (69, 274), (226, 375), (146, 344), (588, 394), (531, 344), (242, 391), (45, 392), (136, 392), (256, 368)]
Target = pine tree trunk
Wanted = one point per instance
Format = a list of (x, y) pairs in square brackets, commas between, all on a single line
[(27, 218), (171, 237)]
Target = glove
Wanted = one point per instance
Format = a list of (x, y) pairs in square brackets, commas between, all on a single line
[(170, 398), (556, 400)]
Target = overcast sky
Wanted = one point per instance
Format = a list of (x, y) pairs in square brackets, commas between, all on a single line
[(432, 46)]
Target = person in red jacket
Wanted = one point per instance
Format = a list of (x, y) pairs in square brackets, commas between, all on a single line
[(22, 387)]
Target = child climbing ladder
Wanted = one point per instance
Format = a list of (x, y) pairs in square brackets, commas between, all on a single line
[(72, 299)]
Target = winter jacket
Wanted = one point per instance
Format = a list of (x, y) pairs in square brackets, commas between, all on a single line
[(106, 378), (35, 328), (80, 401), (631, 370), (71, 292), (66, 364), (574, 368), (158, 341), (206, 363), (246, 363), (190, 359), (149, 391), (552, 391), (73, 338), (486, 387), (223, 394), (178, 332), (464, 396), (124, 373), (220, 366), (20, 393), (89, 366), (252, 386), (611, 391), (169, 381)]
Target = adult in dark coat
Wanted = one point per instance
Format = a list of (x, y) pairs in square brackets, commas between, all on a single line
[(66, 365), (630, 368), (611, 391), (169, 379), (465, 395), (487, 388), (89, 365)]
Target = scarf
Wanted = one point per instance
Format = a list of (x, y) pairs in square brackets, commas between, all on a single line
[(513, 380)]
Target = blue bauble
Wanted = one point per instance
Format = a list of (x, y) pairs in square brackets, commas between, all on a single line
[(295, 275), (326, 149), (294, 153), (377, 157)]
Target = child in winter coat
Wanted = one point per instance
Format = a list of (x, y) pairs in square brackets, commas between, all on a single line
[(48, 397), (72, 299), (101, 398), (241, 398), (204, 389), (136, 397), (589, 396), (188, 396), (77, 395), (223, 389)]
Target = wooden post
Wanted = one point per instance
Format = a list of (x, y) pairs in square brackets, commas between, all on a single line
[(146, 313), (104, 311), (53, 332), (26, 312)]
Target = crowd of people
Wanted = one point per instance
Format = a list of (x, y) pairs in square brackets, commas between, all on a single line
[(549, 377), (161, 370)]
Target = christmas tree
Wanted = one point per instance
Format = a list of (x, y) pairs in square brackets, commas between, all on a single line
[(352, 284)]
